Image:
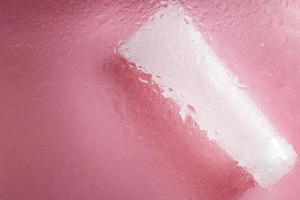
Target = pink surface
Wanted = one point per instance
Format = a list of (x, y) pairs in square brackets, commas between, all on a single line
[(76, 123)]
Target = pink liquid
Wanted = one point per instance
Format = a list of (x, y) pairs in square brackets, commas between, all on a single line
[(76, 122)]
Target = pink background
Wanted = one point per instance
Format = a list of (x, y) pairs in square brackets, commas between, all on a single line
[(76, 122)]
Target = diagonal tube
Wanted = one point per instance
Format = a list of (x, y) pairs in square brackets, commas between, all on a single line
[(168, 45)]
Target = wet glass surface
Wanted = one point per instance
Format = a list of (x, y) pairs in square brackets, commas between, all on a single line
[(80, 121)]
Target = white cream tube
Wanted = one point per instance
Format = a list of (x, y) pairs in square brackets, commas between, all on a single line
[(169, 45)]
